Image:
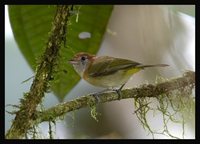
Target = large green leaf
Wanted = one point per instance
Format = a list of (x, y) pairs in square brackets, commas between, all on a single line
[(31, 26)]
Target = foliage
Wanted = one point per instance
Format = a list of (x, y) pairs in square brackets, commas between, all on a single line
[(31, 25)]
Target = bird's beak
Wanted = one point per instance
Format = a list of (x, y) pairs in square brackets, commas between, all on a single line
[(72, 61)]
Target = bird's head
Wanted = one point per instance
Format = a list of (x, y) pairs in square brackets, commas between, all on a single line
[(81, 61)]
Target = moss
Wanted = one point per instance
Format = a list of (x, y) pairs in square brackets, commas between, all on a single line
[(94, 113), (175, 106), (44, 71)]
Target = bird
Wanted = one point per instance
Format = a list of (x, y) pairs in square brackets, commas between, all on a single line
[(106, 71)]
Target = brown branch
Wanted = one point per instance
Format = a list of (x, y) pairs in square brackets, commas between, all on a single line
[(187, 80), (25, 116)]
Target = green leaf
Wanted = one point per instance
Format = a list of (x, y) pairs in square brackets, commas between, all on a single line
[(31, 25)]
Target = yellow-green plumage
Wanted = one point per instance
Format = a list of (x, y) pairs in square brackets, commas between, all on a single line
[(105, 71), (110, 72), (132, 71)]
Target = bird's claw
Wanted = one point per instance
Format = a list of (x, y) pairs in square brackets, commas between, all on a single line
[(118, 91), (96, 96)]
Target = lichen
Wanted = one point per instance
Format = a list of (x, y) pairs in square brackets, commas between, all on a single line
[(175, 107), (94, 113)]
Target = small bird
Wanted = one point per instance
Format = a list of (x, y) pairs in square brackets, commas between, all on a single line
[(105, 71)]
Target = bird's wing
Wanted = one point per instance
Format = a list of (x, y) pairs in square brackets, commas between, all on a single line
[(107, 65)]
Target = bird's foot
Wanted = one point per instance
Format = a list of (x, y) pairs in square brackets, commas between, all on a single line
[(118, 91), (96, 95)]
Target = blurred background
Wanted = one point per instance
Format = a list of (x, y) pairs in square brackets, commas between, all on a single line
[(144, 33)]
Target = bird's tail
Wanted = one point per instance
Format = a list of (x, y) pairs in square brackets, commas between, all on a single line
[(156, 65)]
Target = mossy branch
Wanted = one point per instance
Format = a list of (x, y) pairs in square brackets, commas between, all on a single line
[(25, 116), (187, 80)]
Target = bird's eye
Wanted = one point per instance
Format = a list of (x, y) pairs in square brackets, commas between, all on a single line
[(83, 58)]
